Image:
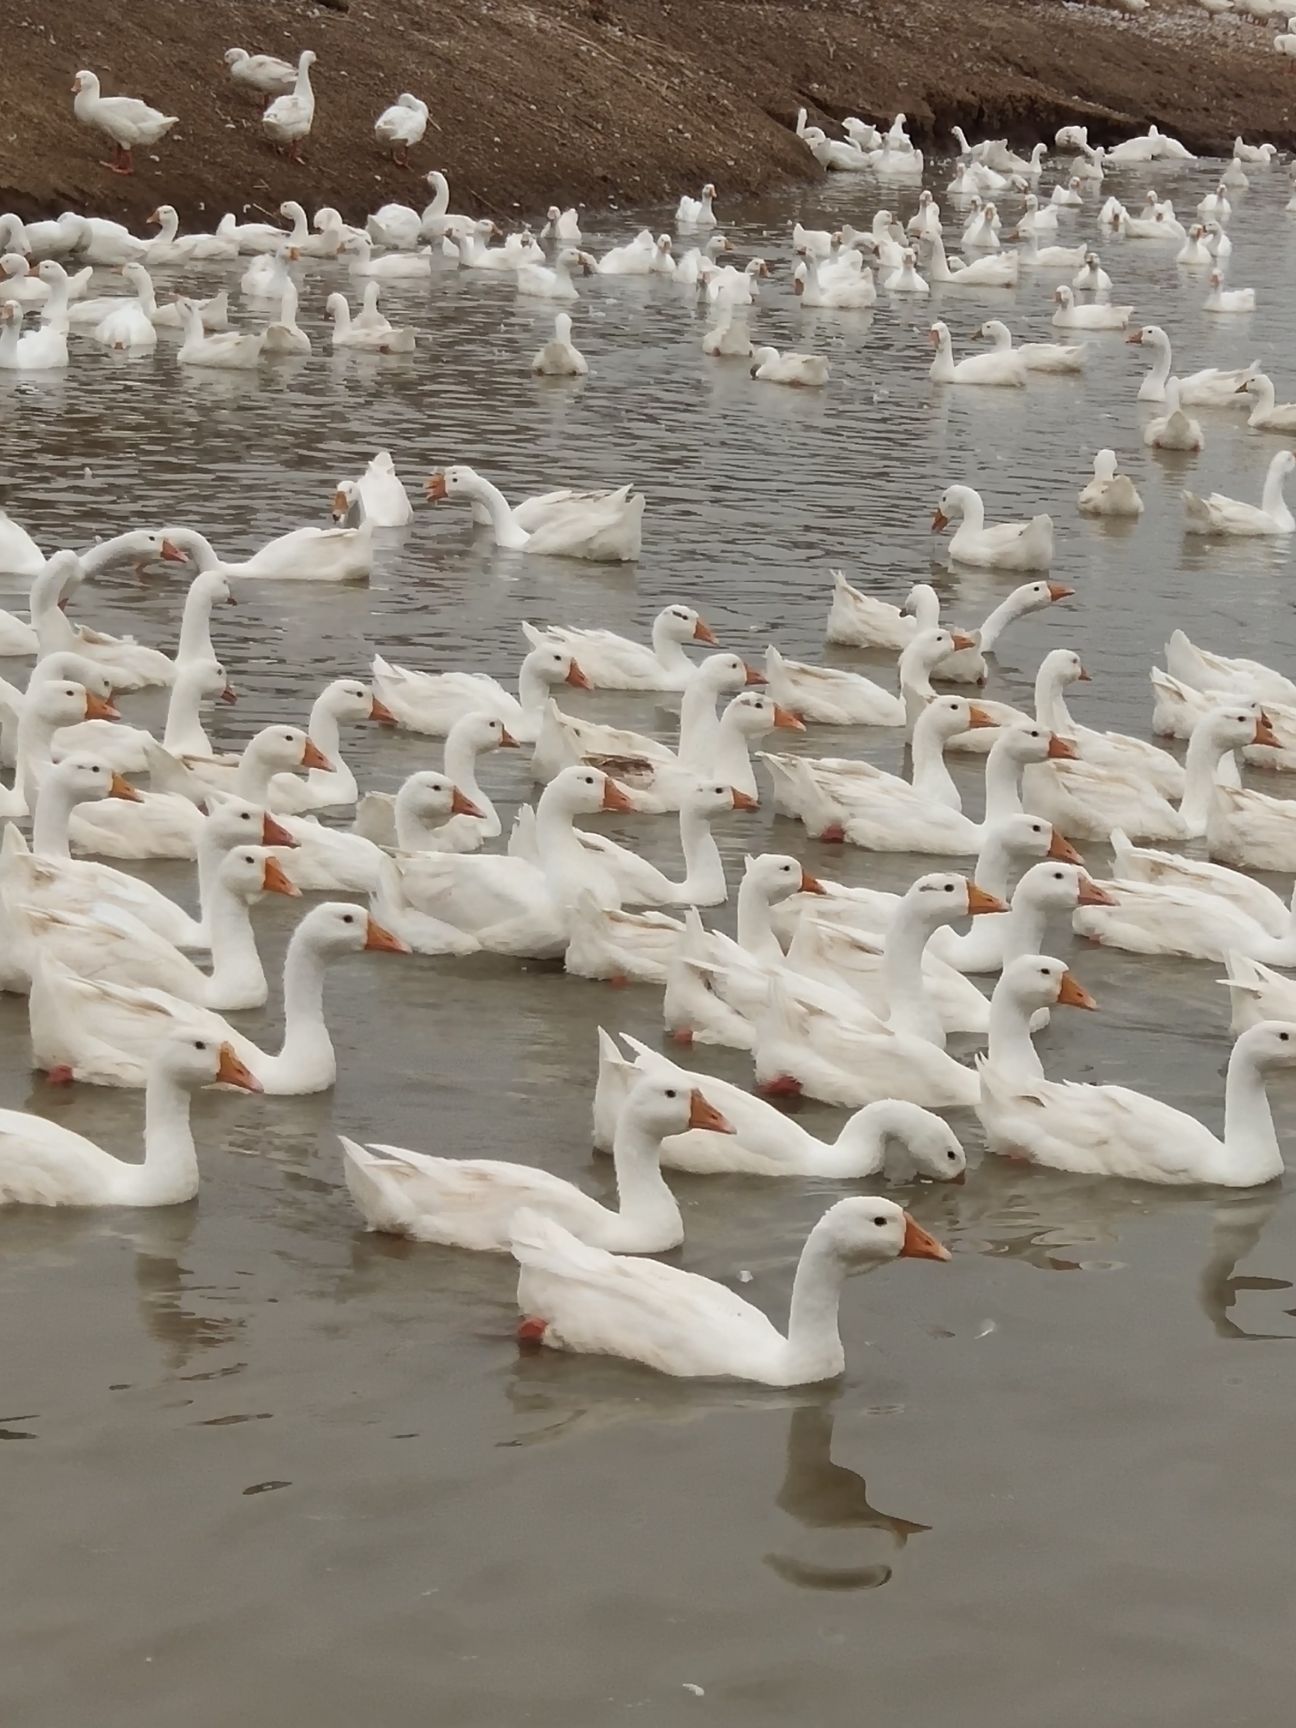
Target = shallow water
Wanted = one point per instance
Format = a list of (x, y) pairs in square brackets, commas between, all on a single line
[(270, 1465)]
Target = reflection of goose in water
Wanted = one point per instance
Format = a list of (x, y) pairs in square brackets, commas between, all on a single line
[(1235, 1229), (179, 1307), (822, 1495)]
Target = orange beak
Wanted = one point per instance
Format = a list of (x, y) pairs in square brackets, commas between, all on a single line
[(786, 720), (1060, 751), (507, 740), (1062, 850), (744, 800), (232, 1072), (704, 633), (274, 833), (919, 1245), (275, 880), (1092, 895), (1072, 993), (940, 521), (576, 678), (1135, 337), (1265, 734), (171, 553), (704, 1115), (339, 506), (962, 639), (1057, 591), (811, 884), (434, 488), (120, 787), (615, 797), (380, 712), (228, 695), (314, 757), (977, 717), (1083, 677), (980, 901), (462, 805), (382, 940), (755, 677), (98, 708)]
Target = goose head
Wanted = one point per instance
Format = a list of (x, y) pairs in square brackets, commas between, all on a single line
[(725, 673), (61, 702), (346, 498), (554, 666), (337, 927), (74, 668), (1029, 743), (85, 779), (1271, 1044), (683, 624), (431, 798), (286, 750), (1026, 836), (582, 790), (775, 875), (234, 821), (480, 732), (863, 1232), (350, 699), (1034, 981), (711, 798), (190, 1057), (950, 716), (661, 1105), (752, 715), (942, 898), (929, 1148), (248, 872), (1057, 887)]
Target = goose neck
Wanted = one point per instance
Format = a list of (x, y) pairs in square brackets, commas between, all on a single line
[(910, 1009), (1272, 502), (704, 878), (237, 977), (733, 754), (1251, 1152), (1011, 1051), (1003, 615), (646, 1203), (185, 734), (307, 1047), (1051, 708), (699, 724), (932, 779), (1003, 781), (670, 654), (53, 809), (814, 1345), (755, 929), (1201, 771), (170, 1169)]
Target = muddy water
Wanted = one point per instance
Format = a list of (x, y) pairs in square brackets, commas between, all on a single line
[(268, 1466)]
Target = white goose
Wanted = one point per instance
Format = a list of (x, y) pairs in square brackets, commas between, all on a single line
[(1219, 514), (605, 527), (612, 662), (859, 620), (472, 817), (1043, 890), (1095, 315), (1114, 1131), (48, 876), (1037, 356), (471, 1202), (344, 699), (431, 702), (1212, 387), (1267, 413), (114, 947), (998, 270), (302, 555), (828, 696), (1109, 493), (377, 337), (560, 357), (583, 1299), (538, 282), (43, 1163), (103, 1033), (1006, 546), (895, 1140), (1207, 670), (1002, 367), (508, 904), (289, 118), (1175, 429)]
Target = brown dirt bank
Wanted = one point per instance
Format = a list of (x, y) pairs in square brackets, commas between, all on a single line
[(598, 100)]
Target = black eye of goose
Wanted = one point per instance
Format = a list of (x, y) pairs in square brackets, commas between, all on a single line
[(199, 1044), (1284, 1037), (349, 918), (671, 1092), (949, 887), (881, 1223), (952, 1156)]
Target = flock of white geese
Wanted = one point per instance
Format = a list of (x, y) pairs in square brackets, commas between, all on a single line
[(841, 993)]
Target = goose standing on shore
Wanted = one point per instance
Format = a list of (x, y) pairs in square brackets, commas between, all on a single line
[(126, 121), (402, 126), (289, 118)]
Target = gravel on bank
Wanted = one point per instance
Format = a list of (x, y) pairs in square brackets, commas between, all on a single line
[(599, 101)]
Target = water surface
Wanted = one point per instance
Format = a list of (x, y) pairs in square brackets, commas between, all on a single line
[(266, 1465)]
